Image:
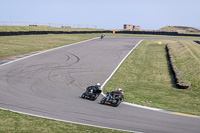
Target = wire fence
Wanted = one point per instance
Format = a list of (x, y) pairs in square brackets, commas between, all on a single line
[(9, 23)]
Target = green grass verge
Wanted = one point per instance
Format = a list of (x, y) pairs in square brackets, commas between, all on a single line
[(145, 79), (11, 122), (186, 54), (17, 45), (32, 28)]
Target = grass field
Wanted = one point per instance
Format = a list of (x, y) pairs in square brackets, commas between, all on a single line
[(145, 78), (17, 45), (32, 28), (11, 122)]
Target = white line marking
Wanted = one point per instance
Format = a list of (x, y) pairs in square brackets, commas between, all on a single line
[(144, 107), (69, 121), (120, 64), (130, 104), (135, 105)]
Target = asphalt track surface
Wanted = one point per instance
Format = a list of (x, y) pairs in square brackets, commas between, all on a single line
[(50, 85)]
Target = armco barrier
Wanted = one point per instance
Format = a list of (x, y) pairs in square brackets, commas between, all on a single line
[(88, 32), (157, 33), (148, 32), (198, 42), (49, 32)]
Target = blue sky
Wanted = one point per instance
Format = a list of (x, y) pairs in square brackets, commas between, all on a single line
[(106, 14)]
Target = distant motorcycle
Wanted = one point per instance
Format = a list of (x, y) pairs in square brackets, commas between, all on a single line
[(92, 92), (102, 36), (113, 101)]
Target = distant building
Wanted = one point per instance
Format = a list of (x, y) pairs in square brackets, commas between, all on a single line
[(128, 27), (131, 27), (136, 28)]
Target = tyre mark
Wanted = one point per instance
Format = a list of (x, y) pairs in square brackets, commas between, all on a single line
[(77, 59)]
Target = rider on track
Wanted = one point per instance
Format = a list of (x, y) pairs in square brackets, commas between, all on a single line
[(92, 89), (113, 94), (102, 36)]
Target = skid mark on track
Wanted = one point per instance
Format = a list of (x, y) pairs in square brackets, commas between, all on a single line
[(56, 72)]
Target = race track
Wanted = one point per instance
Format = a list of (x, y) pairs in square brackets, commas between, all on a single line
[(50, 85)]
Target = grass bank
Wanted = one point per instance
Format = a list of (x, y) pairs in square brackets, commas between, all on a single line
[(145, 78), (11, 122), (32, 28), (186, 54), (17, 45)]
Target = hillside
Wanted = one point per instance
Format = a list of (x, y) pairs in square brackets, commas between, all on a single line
[(181, 29)]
